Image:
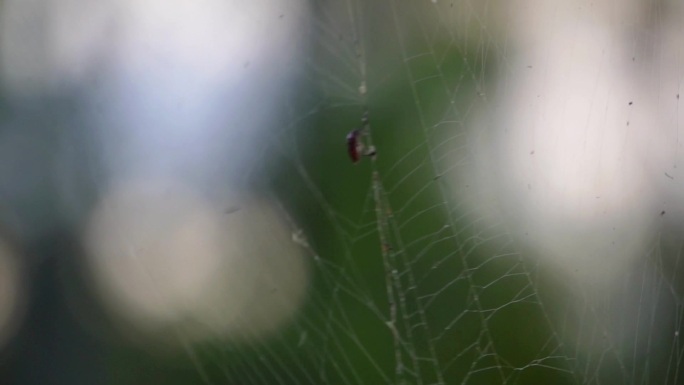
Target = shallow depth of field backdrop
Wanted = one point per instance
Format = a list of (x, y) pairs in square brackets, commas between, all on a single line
[(178, 204)]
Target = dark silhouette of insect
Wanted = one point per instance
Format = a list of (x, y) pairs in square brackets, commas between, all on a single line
[(354, 145)]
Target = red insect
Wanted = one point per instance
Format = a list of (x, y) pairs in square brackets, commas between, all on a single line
[(354, 145)]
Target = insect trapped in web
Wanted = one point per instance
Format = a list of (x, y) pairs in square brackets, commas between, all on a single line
[(355, 146)]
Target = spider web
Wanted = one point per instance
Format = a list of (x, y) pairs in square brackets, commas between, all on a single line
[(420, 276), (520, 222)]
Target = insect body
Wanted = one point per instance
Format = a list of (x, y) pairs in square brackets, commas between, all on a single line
[(354, 145)]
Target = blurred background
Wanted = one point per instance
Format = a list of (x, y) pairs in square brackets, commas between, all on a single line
[(178, 206)]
